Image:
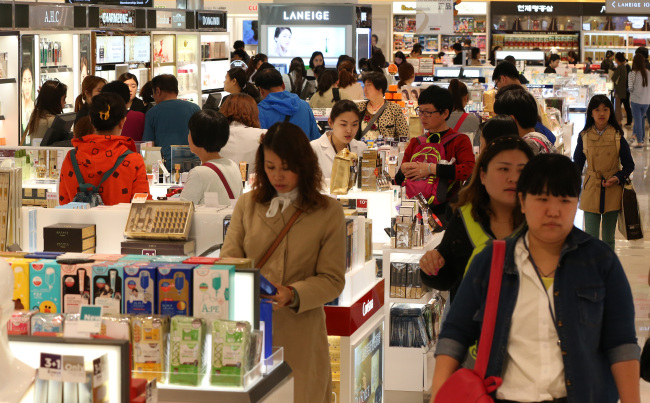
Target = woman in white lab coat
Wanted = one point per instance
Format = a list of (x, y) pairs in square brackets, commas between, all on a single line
[(344, 121)]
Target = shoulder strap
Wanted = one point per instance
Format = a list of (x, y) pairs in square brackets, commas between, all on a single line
[(118, 162), (491, 305), (538, 141), (446, 140), (75, 167), (337, 94), (374, 117), (287, 118), (222, 177), (279, 239), (461, 121)]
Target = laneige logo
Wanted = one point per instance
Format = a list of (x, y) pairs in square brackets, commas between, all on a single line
[(210, 20), (306, 16)]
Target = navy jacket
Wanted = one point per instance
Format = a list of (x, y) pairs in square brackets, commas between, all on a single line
[(593, 308)]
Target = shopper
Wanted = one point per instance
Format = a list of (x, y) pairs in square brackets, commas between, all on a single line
[(572, 57), (236, 83), (245, 132), (82, 128), (98, 153), (308, 268), (390, 122), (374, 39), (515, 101), (497, 126), (254, 64), (553, 62), (416, 51), (317, 59), (91, 86), (476, 57), (135, 103), (567, 326), (602, 146), (348, 80), (493, 55), (146, 92), (619, 78), (637, 84), (460, 120), (344, 121), (327, 93), (296, 81), (240, 45), (458, 49), (608, 63), (511, 59), (486, 210), (406, 74), (209, 132), (49, 103), (239, 54), (399, 58), (435, 106), (166, 123), (134, 125), (279, 105)]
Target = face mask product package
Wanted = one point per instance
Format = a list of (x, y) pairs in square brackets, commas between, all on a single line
[(19, 324), (213, 286), (44, 324), (107, 286), (230, 344), (116, 327), (239, 263), (175, 289), (186, 348), (106, 257), (139, 289), (149, 346), (20, 268), (136, 258), (75, 286), (169, 259), (257, 344)]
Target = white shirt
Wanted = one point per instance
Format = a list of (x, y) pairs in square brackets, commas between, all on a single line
[(534, 370), (325, 152), (242, 144), (204, 179)]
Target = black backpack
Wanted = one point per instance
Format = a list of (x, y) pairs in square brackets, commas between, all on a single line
[(86, 192)]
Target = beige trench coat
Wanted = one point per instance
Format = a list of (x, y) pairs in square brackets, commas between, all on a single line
[(603, 161), (311, 258)]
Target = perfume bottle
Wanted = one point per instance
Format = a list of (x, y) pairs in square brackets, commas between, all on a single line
[(177, 173)]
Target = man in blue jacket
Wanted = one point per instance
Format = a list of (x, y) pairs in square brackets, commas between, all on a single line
[(279, 105)]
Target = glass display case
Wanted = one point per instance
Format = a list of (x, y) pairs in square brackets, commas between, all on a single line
[(215, 61)]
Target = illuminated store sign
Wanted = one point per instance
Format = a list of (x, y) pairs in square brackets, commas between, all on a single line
[(111, 18), (306, 15), (294, 15), (211, 20), (170, 19), (50, 17), (534, 8), (627, 7)]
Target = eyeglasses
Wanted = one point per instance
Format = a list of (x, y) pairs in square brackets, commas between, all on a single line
[(426, 114)]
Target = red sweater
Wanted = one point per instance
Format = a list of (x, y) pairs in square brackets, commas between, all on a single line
[(459, 148)]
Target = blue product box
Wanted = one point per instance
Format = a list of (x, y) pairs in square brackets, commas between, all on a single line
[(107, 284), (175, 289), (45, 286), (266, 325), (136, 258), (140, 289), (169, 259)]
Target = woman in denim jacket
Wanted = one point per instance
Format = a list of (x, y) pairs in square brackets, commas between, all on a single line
[(565, 320)]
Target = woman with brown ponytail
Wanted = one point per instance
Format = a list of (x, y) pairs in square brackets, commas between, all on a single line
[(91, 86), (460, 120), (348, 81)]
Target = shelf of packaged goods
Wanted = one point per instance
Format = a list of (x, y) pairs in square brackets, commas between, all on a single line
[(618, 33), (606, 47), (7, 81), (466, 33), (56, 69)]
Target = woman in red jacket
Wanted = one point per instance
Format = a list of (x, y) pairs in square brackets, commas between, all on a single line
[(98, 153)]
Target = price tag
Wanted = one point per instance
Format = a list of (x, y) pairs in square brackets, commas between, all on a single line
[(91, 319), (74, 369), (139, 198), (50, 368), (100, 370)]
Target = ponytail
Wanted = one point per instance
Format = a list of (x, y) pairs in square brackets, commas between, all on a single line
[(79, 102), (346, 74), (458, 91)]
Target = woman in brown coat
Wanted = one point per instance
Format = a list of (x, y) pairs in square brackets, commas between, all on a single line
[(308, 266)]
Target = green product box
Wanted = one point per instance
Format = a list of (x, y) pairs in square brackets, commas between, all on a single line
[(230, 344), (187, 339)]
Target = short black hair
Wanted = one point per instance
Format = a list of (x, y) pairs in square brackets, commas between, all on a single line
[(457, 46), (505, 69), (343, 106), (642, 50), (209, 130), (499, 125), (106, 111), (268, 78), (375, 36), (514, 100), (475, 53), (128, 76), (417, 47), (467, 41), (554, 57), (439, 97), (620, 57), (550, 174), (239, 44), (119, 88), (510, 59), (264, 66), (165, 83), (377, 79), (240, 52)]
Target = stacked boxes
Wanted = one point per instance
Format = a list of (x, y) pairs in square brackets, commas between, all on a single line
[(69, 238), (369, 170)]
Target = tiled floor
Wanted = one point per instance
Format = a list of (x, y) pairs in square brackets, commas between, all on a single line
[(635, 257)]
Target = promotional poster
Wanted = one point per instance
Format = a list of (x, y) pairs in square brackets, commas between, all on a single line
[(303, 41), (27, 80), (369, 368)]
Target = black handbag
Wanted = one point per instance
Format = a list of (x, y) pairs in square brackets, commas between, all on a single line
[(645, 361)]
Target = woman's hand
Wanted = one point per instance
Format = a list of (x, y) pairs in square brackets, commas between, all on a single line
[(282, 298), (610, 182), (416, 170), (431, 262)]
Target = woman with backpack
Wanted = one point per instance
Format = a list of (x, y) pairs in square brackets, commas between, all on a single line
[(460, 120), (602, 146), (105, 162), (637, 83), (619, 78), (327, 93), (296, 81)]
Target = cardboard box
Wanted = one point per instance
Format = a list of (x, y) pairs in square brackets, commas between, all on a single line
[(20, 296), (69, 237), (107, 286), (213, 292), (140, 289), (75, 286), (158, 247), (175, 289)]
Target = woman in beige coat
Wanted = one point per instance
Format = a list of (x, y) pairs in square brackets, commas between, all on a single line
[(308, 266)]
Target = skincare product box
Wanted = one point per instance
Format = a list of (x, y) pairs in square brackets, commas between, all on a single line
[(230, 344), (239, 263), (47, 324), (20, 296), (175, 289), (140, 289), (45, 286), (213, 287), (135, 258), (150, 334), (158, 247), (107, 286), (186, 348), (19, 324), (163, 220), (69, 238), (75, 286), (106, 257), (266, 326)]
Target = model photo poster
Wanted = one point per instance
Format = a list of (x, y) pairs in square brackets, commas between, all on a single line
[(369, 368), (434, 17)]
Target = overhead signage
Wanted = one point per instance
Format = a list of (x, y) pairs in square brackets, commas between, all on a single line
[(170, 19), (115, 18), (306, 15), (404, 7), (627, 7), (545, 8), (295, 14), (51, 17), (211, 20), (434, 17), (138, 3), (472, 8)]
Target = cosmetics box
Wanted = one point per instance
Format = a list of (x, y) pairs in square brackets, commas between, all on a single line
[(75, 286), (175, 289), (187, 350), (150, 334), (239, 263), (135, 258), (200, 260), (45, 286), (155, 219), (107, 286), (140, 289), (158, 247), (213, 292), (69, 237), (47, 324), (20, 296), (230, 344)]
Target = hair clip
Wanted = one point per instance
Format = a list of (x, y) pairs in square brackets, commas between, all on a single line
[(105, 115)]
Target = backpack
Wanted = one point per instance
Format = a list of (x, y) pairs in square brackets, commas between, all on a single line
[(433, 189), (86, 192)]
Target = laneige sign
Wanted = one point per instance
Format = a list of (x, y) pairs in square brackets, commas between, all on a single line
[(297, 14), (306, 15)]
